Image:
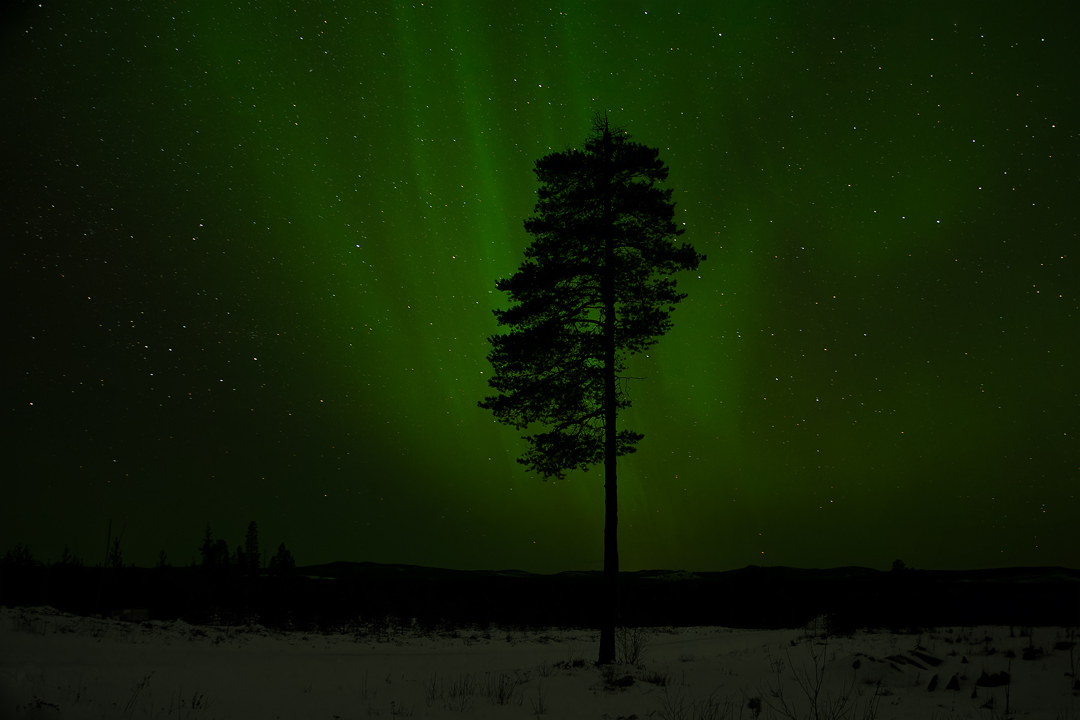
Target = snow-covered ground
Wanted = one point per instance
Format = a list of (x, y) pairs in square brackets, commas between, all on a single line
[(55, 665)]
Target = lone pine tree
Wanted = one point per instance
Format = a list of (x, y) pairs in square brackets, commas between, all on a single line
[(596, 287)]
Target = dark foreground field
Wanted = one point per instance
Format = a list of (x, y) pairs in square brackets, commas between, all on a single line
[(54, 665), (358, 640)]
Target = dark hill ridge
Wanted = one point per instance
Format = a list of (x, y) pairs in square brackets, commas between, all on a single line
[(342, 569), (335, 594), (753, 596)]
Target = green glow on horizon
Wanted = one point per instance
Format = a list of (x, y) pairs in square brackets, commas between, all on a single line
[(876, 362)]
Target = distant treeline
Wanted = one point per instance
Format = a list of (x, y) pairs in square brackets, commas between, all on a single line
[(245, 562), (214, 556), (221, 585), (233, 587)]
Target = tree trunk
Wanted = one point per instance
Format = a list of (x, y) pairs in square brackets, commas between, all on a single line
[(610, 597), (610, 593)]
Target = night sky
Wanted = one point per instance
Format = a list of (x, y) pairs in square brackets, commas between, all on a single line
[(250, 253)]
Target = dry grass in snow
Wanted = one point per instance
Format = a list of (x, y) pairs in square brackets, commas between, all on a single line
[(54, 665)]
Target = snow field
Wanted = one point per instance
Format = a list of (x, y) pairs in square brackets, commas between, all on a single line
[(55, 665)]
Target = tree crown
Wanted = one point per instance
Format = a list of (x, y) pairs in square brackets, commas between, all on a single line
[(602, 259)]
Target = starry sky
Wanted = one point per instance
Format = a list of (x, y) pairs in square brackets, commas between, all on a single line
[(250, 251)]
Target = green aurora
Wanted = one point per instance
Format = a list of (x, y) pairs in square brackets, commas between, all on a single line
[(251, 248)]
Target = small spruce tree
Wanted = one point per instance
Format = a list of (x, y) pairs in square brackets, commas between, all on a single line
[(206, 550), (220, 553), (251, 550), (282, 564), (116, 555)]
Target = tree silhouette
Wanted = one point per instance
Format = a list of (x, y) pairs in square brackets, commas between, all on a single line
[(116, 555), (282, 582), (282, 565), (251, 550), (69, 560), (18, 557), (206, 550), (219, 554), (595, 287)]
